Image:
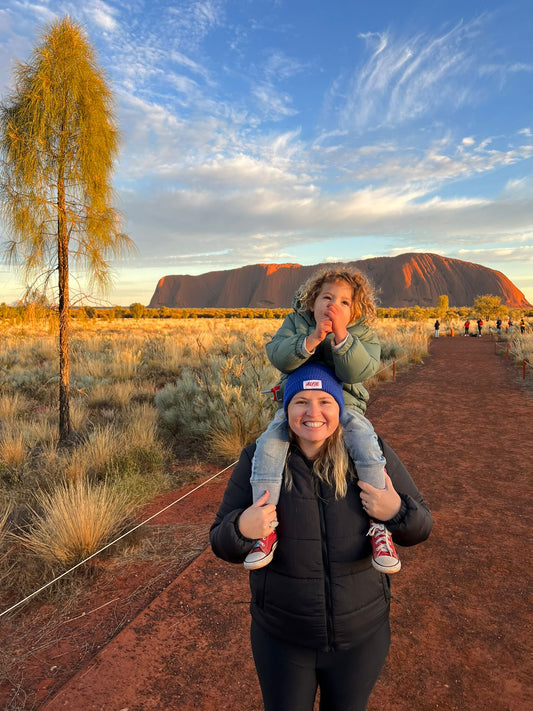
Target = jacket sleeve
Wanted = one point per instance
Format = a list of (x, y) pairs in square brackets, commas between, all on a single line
[(226, 540), (285, 350), (413, 523), (359, 357)]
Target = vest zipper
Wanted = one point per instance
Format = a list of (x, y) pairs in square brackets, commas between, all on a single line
[(327, 576)]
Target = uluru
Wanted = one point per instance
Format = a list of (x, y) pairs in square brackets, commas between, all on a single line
[(413, 279)]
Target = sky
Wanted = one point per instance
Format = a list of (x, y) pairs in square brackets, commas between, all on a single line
[(308, 131)]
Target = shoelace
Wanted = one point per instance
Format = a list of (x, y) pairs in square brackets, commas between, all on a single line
[(381, 538)]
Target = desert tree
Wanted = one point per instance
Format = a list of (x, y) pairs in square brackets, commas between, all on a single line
[(443, 304), (490, 306), (59, 141)]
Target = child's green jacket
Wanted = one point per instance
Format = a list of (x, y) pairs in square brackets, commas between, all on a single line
[(356, 361)]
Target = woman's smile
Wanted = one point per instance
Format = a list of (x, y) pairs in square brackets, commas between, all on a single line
[(313, 416)]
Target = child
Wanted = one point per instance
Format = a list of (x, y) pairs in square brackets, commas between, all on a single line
[(327, 326)]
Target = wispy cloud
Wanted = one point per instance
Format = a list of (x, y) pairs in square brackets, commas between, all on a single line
[(102, 14), (406, 78), (194, 19)]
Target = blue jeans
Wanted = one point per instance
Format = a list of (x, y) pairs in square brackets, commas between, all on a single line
[(361, 442)]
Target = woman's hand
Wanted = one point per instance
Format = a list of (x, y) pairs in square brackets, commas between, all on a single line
[(382, 504), (254, 522)]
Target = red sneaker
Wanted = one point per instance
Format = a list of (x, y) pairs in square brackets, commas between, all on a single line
[(384, 556), (262, 552)]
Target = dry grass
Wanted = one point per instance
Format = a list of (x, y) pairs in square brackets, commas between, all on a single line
[(208, 375), (76, 520), (13, 449), (11, 407)]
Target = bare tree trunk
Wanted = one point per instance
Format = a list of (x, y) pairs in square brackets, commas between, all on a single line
[(64, 325)]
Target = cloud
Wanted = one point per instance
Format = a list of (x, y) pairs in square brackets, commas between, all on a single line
[(101, 14), (499, 254), (407, 78), (273, 103), (280, 66), (193, 20)]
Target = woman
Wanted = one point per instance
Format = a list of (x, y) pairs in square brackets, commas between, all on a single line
[(320, 611)]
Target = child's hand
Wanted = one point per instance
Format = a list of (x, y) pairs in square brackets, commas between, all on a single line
[(254, 522), (323, 327), (339, 321)]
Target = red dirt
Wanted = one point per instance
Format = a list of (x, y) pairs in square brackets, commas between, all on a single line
[(461, 624)]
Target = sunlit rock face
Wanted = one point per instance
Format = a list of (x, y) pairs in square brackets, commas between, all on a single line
[(402, 281)]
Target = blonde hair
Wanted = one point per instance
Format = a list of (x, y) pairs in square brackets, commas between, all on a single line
[(362, 291), (332, 466)]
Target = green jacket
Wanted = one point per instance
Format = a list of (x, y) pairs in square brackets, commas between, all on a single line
[(357, 360)]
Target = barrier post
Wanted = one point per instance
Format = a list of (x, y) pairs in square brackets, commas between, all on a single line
[(394, 370), (524, 369)]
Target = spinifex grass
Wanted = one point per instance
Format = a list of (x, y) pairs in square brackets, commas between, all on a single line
[(76, 520)]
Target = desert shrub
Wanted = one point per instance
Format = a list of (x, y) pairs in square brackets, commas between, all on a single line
[(523, 345), (221, 401), (38, 383), (12, 449), (75, 520), (108, 394), (11, 407)]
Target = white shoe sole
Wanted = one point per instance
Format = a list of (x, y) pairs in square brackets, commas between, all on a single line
[(387, 569), (255, 564)]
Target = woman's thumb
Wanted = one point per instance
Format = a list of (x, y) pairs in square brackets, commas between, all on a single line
[(262, 500)]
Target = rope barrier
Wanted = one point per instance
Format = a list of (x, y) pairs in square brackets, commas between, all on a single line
[(101, 550), (508, 350), (391, 365)]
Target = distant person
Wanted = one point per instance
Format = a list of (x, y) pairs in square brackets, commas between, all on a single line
[(479, 326), (467, 327), (437, 326), (509, 325), (320, 612), (522, 326), (499, 325), (327, 327)]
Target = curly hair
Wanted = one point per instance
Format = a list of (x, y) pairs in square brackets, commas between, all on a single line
[(362, 291)]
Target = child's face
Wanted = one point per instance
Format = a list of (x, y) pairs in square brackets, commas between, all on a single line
[(336, 292)]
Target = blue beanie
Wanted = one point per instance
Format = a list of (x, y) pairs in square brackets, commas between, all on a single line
[(313, 376)]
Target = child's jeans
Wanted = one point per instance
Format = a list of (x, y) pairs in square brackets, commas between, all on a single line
[(361, 442)]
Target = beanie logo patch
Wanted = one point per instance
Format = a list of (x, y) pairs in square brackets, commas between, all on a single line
[(312, 384)]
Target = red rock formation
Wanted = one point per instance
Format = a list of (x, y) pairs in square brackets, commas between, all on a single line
[(403, 281)]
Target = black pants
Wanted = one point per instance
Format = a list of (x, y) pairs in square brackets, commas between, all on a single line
[(290, 675)]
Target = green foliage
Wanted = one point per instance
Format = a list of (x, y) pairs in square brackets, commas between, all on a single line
[(219, 401), (490, 306), (137, 310), (443, 304)]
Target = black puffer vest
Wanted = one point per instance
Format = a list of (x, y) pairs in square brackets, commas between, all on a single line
[(320, 590)]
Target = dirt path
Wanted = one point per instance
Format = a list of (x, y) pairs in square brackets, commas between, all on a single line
[(463, 425)]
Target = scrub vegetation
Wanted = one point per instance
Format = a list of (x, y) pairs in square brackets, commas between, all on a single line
[(150, 399)]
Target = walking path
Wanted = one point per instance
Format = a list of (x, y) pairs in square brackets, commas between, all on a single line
[(461, 626)]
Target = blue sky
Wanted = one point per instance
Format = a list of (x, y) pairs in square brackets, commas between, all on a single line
[(304, 131)]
